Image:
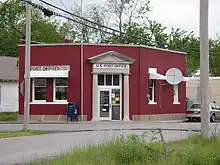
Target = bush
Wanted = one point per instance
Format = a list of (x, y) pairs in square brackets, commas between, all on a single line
[(8, 116), (132, 150)]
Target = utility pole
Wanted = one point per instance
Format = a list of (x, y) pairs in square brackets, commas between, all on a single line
[(27, 66), (204, 67)]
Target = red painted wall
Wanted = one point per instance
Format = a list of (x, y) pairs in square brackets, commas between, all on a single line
[(53, 55), (162, 60), (145, 58)]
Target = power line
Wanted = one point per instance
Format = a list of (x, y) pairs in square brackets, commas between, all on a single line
[(49, 13), (117, 31)]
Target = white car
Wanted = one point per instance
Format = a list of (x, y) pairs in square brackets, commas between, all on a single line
[(194, 112)]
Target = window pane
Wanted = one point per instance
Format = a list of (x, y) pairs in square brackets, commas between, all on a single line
[(61, 93), (115, 79), (150, 93), (108, 79), (40, 93), (40, 82), (151, 83), (100, 79), (61, 81)]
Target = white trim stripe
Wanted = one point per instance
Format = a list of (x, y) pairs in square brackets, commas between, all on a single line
[(48, 74)]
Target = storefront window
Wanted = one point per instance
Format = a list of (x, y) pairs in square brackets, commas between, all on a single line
[(61, 88), (39, 89)]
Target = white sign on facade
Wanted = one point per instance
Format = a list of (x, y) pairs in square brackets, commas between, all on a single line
[(50, 68), (111, 66)]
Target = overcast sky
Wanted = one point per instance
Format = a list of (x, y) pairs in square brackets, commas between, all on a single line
[(183, 14)]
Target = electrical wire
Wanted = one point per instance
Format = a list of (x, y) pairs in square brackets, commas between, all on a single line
[(49, 13), (117, 31)]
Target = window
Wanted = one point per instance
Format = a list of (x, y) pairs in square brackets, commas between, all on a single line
[(108, 80), (39, 87), (151, 91), (176, 94), (61, 88), (101, 80), (116, 80)]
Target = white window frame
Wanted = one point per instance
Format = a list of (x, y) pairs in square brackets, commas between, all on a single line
[(54, 91), (153, 92), (176, 94), (33, 91)]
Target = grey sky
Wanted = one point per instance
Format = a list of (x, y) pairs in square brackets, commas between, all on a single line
[(183, 14)]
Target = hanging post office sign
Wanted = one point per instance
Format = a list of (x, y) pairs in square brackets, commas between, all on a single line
[(111, 66)]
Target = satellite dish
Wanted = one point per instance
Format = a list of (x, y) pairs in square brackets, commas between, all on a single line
[(174, 76)]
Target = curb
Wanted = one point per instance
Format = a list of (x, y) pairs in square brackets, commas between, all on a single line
[(117, 129), (125, 129), (91, 122)]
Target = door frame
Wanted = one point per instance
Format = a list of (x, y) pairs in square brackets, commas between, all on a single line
[(109, 88)]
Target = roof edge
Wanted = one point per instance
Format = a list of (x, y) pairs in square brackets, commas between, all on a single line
[(123, 45)]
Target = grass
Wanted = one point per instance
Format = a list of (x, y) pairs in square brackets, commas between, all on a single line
[(8, 116), (20, 133), (135, 151)]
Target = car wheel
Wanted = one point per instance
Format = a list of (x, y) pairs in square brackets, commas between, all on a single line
[(212, 119)]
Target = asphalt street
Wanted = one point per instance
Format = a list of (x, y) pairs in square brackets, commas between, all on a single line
[(67, 136)]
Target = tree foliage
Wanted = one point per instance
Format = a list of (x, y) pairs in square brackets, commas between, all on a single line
[(12, 27)]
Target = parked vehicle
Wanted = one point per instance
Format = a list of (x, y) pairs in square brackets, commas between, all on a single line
[(194, 112)]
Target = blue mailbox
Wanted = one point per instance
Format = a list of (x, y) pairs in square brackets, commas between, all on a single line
[(72, 111)]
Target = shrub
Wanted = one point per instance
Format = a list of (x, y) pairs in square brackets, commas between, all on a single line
[(8, 116)]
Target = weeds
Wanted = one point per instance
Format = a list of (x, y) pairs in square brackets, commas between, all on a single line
[(135, 150)]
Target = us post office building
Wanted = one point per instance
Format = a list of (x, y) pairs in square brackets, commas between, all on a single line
[(107, 82)]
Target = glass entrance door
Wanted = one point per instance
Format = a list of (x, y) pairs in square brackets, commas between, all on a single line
[(104, 104), (116, 99)]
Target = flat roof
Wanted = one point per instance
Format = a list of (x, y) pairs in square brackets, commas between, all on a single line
[(8, 68), (121, 45)]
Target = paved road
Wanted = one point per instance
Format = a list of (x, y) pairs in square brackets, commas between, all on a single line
[(28, 148), (25, 148)]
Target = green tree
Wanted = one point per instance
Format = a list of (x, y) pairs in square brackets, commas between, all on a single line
[(12, 27), (214, 57), (127, 12), (153, 34)]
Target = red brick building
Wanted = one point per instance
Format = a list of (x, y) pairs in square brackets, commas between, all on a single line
[(108, 82)]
